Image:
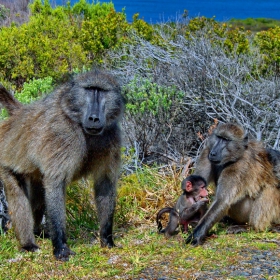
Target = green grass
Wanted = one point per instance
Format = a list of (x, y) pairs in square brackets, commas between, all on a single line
[(140, 249)]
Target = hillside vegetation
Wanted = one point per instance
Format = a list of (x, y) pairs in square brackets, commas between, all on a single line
[(179, 79)]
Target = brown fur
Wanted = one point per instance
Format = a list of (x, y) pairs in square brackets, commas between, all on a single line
[(189, 208), (245, 179), (51, 142)]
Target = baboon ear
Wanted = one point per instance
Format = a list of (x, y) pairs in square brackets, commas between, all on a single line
[(189, 186)]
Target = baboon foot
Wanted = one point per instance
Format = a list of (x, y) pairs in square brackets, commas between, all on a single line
[(236, 229), (30, 248), (107, 242), (63, 253)]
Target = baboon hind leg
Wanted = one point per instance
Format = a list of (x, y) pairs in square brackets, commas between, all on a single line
[(266, 210), (105, 195), (37, 199), (55, 210), (20, 210)]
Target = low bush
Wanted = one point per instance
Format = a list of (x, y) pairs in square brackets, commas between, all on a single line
[(268, 43), (56, 41)]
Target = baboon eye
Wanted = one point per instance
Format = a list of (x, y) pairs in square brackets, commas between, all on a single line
[(94, 88)]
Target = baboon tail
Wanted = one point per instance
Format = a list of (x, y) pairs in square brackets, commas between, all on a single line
[(159, 214), (8, 100)]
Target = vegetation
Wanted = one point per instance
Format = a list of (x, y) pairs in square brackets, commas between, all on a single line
[(255, 24), (141, 252), (179, 79)]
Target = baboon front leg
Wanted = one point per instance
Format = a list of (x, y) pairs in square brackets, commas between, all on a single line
[(105, 195), (216, 211), (55, 205), (20, 211)]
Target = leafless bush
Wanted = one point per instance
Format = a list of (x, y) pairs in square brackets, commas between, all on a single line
[(13, 11), (215, 85)]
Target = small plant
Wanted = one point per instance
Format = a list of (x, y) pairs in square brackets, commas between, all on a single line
[(151, 108), (34, 89), (146, 97), (31, 91)]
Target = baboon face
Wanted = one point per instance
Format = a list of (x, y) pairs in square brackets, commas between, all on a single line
[(94, 119), (194, 187), (93, 104), (200, 191), (227, 144)]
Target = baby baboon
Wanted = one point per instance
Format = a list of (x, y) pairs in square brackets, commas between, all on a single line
[(70, 133), (189, 208), (244, 174)]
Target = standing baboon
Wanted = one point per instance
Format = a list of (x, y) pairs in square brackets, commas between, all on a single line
[(243, 172), (70, 133), (189, 208)]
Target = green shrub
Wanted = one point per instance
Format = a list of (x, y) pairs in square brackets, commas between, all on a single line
[(269, 46), (31, 91), (143, 29), (90, 11), (58, 40), (99, 34), (34, 89), (150, 111), (146, 97), (231, 40)]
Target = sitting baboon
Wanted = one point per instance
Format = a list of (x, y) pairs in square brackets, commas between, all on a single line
[(189, 208), (70, 133), (246, 183)]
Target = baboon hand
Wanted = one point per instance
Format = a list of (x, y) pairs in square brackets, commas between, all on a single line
[(195, 240), (63, 253)]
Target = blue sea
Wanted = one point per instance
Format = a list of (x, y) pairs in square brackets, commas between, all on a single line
[(155, 11)]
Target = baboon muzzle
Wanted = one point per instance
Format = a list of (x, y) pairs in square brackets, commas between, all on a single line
[(93, 125), (95, 116)]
